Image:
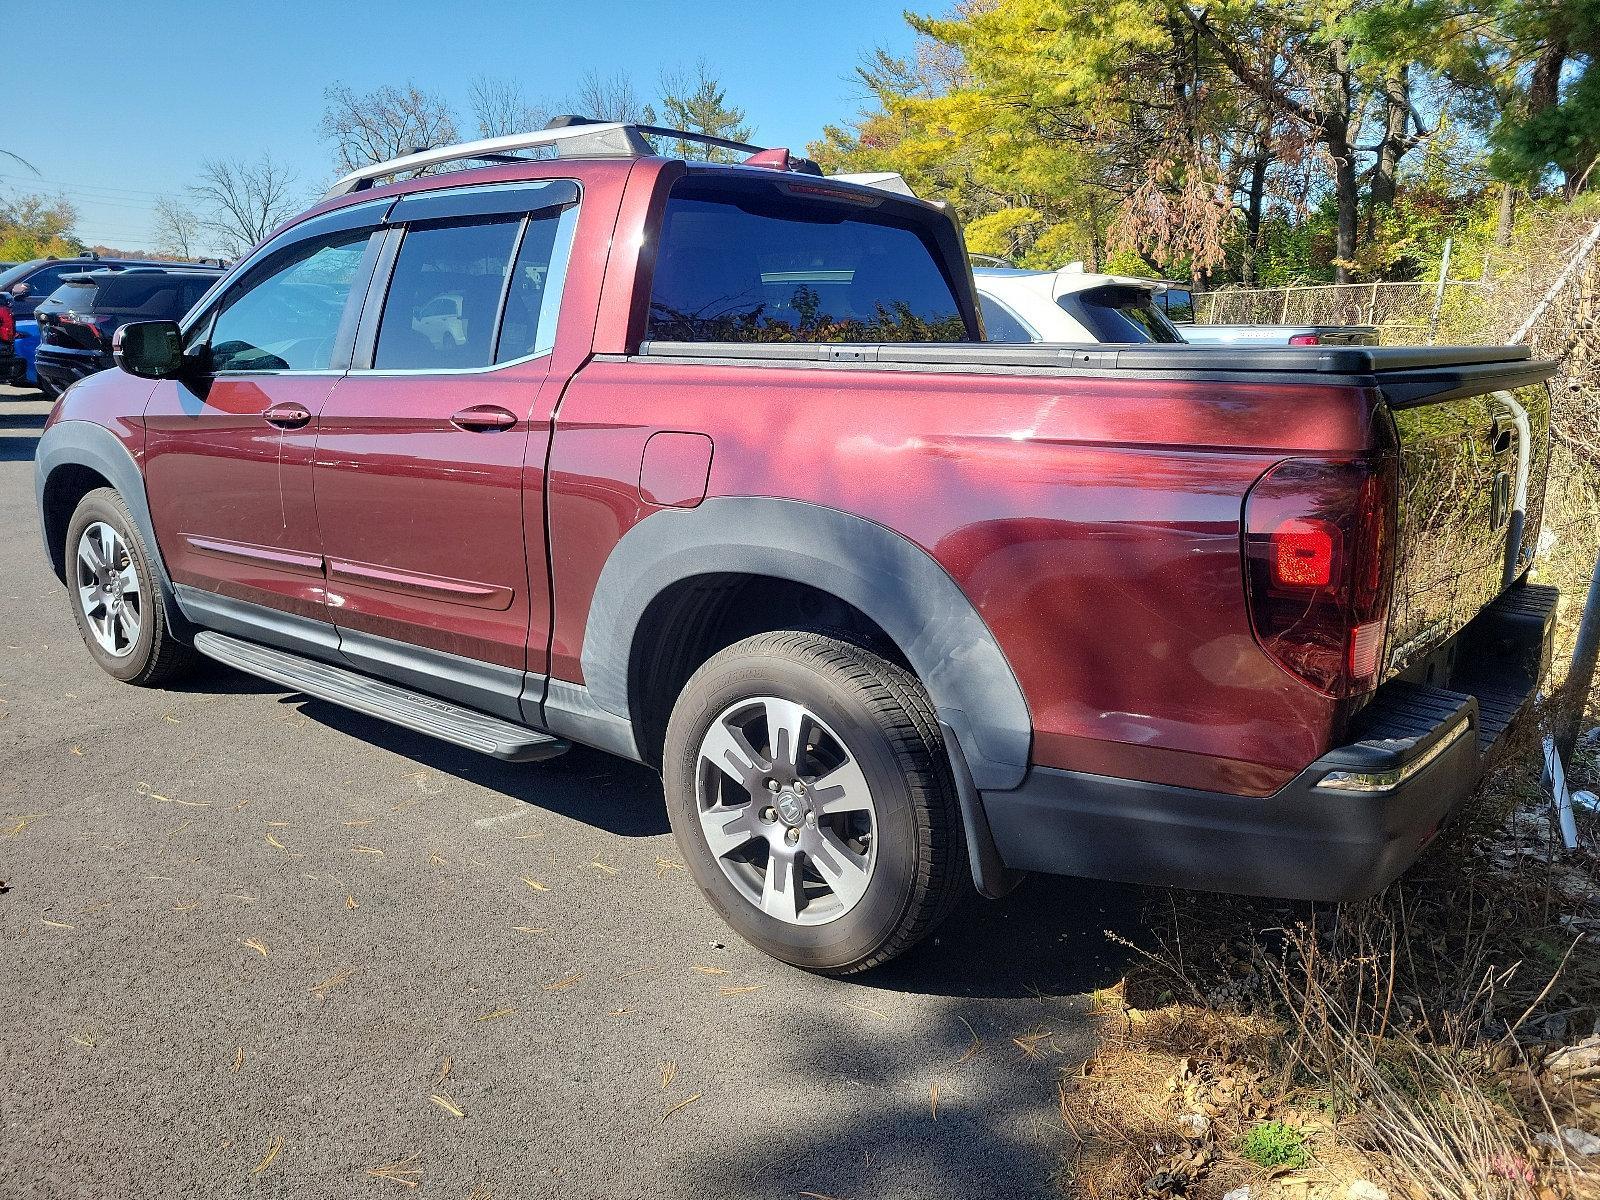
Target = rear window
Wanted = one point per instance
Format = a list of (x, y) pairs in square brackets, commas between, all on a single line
[(757, 265), (158, 297), (76, 295), (1120, 314)]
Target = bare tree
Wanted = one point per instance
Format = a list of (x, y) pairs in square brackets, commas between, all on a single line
[(241, 201), (612, 98), (178, 228), (383, 124), (500, 106)]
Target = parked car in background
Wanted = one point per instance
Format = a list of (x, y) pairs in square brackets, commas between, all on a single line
[(1069, 305), (1074, 305), (8, 342), (77, 321), (28, 283), (719, 477), (1177, 301)]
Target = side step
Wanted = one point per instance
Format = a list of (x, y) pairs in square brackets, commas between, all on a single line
[(386, 701)]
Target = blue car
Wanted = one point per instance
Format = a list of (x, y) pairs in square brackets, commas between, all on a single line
[(30, 282)]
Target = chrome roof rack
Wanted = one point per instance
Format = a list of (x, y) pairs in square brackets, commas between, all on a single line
[(571, 137)]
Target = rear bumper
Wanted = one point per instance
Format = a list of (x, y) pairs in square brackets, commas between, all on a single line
[(1344, 828), (64, 368)]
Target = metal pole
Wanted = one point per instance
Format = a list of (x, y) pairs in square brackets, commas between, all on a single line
[(1438, 294), (1580, 675)]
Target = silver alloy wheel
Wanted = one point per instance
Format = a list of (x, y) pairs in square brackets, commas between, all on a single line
[(108, 589), (786, 811)]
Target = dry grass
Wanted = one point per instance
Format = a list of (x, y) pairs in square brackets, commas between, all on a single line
[(1407, 1038)]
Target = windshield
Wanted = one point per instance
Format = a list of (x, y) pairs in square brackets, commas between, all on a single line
[(7, 278)]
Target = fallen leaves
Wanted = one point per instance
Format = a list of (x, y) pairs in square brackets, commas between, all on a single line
[(321, 990), (57, 924), (600, 866), (267, 1159), (272, 841), (1029, 1043), (350, 902), (977, 1042), (669, 1072), (399, 1171), (144, 790), (705, 970), (679, 1106), (933, 1099), (238, 1059), (445, 1103), (535, 884), (85, 1039), (740, 991), (562, 984), (496, 1014), (255, 944), (189, 907), (16, 830), (367, 850)]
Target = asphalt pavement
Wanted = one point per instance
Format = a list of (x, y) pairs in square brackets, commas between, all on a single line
[(254, 944)]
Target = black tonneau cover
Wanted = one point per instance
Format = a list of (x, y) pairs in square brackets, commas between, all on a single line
[(1408, 374)]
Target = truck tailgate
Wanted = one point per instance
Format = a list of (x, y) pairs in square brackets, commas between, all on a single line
[(1473, 466)]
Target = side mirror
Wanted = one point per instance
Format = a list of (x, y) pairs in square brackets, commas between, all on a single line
[(149, 349)]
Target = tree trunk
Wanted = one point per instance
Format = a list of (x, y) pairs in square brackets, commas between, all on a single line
[(1391, 148), (1252, 217), (1504, 220), (1347, 197)]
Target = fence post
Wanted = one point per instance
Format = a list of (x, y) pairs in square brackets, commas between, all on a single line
[(1283, 312), (1372, 305), (1438, 293)]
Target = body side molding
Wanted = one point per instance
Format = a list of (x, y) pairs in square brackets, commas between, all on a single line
[(884, 575)]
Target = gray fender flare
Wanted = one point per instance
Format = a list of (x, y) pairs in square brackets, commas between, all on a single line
[(884, 575), (85, 444)]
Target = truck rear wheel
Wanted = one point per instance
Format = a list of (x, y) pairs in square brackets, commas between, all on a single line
[(116, 597), (809, 791)]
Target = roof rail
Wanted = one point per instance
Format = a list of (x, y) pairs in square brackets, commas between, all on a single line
[(570, 136)]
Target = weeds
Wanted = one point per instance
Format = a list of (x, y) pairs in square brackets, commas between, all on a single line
[(1417, 1041)]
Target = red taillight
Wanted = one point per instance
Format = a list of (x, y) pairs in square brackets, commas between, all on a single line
[(8, 324), (1302, 553), (1305, 339), (1318, 551)]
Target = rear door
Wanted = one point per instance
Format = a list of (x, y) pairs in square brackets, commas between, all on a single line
[(228, 467), (430, 454)]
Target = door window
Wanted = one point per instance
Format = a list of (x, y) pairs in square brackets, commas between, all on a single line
[(534, 301), (285, 315), (444, 297)]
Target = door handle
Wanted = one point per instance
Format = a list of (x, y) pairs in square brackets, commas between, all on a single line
[(287, 416), (483, 418)]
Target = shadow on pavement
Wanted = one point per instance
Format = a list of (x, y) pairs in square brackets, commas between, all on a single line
[(598, 789)]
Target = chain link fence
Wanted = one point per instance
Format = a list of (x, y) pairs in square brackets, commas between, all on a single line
[(1404, 312)]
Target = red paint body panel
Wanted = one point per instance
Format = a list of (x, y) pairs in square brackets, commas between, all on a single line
[(1093, 523), (216, 470), (405, 497)]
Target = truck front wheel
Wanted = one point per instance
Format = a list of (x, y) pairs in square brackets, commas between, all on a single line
[(810, 793)]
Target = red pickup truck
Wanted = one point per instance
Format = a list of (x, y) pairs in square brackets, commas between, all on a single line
[(708, 466)]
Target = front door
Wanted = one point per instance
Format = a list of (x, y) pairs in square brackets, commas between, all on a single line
[(229, 446), (430, 460)]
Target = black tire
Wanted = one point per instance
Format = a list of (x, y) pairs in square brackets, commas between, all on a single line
[(883, 717), (155, 655)]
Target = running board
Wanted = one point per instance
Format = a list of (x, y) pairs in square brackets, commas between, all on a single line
[(387, 701)]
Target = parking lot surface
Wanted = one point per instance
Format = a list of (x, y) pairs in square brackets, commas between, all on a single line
[(255, 944)]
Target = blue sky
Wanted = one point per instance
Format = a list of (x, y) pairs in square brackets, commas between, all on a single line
[(123, 101)]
